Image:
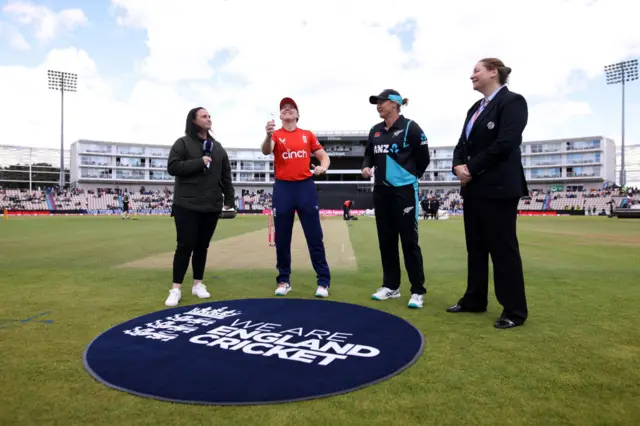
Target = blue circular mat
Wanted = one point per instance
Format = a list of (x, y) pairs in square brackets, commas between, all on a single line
[(253, 351)]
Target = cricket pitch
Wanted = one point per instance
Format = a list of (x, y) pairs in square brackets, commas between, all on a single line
[(252, 251)]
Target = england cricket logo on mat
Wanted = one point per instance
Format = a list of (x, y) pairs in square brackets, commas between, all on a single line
[(257, 338), (253, 351)]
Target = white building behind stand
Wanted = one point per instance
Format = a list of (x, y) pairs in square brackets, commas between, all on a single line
[(561, 164)]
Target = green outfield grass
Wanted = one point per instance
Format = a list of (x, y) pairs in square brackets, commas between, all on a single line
[(576, 361)]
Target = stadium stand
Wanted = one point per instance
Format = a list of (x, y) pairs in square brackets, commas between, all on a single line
[(109, 200), (566, 176)]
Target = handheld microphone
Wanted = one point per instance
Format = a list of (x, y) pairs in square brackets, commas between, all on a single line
[(207, 146)]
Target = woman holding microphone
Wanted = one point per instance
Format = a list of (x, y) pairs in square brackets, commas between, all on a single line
[(397, 149), (202, 185)]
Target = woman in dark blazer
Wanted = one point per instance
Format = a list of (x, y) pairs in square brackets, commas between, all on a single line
[(487, 160)]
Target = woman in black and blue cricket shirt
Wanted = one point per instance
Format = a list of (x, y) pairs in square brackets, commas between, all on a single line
[(398, 152)]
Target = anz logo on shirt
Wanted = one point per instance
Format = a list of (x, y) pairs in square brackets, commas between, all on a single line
[(385, 149)]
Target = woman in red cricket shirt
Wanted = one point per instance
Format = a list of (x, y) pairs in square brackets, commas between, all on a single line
[(295, 191)]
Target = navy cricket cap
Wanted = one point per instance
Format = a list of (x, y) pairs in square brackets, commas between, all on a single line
[(386, 95)]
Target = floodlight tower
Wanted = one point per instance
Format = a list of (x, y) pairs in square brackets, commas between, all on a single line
[(621, 73), (64, 82)]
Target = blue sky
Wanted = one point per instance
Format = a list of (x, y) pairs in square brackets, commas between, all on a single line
[(115, 50), (119, 52)]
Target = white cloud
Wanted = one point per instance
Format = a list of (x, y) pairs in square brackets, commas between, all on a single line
[(13, 37), (47, 23), (330, 56), (18, 42), (555, 114)]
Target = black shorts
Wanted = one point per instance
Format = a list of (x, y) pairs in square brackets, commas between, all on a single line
[(125, 207)]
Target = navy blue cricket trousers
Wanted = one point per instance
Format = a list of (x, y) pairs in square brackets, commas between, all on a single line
[(290, 197)]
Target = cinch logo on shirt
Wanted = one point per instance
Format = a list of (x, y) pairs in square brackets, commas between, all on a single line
[(295, 154), (292, 153)]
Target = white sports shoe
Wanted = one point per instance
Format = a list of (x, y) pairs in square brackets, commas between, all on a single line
[(322, 292), (200, 290), (174, 297), (415, 301), (283, 289), (385, 293)]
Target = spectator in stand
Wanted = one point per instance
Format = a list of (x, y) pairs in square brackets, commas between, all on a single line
[(203, 176), (487, 160)]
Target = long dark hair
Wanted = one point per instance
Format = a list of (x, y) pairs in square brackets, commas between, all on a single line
[(191, 128)]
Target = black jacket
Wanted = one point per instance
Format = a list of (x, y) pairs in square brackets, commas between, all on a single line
[(492, 152), (196, 187)]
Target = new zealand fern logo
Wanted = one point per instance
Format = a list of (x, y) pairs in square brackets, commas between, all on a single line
[(394, 149)]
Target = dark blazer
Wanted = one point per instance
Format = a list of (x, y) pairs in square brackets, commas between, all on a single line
[(196, 187), (492, 152)]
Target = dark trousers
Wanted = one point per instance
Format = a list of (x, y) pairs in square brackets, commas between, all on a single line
[(490, 229), (194, 231), (290, 197), (397, 211), (346, 213)]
